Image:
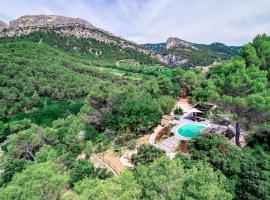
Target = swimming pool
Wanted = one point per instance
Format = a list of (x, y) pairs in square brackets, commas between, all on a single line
[(190, 130)]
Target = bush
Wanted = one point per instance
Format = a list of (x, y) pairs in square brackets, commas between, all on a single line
[(178, 111), (146, 155), (118, 149), (218, 151), (131, 144), (11, 167), (119, 140), (100, 148), (109, 134), (91, 133), (133, 110), (166, 103), (103, 173), (82, 169)]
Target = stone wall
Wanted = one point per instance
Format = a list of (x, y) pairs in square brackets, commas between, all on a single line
[(165, 131)]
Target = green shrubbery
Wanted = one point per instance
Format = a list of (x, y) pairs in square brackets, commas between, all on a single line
[(146, 154), (178, 111), (85, 169), (248, 171), (55, 106)]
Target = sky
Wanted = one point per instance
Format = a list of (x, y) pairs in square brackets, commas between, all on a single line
[(233, 22)]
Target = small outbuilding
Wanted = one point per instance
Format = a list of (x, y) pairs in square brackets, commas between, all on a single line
[(197, 115)]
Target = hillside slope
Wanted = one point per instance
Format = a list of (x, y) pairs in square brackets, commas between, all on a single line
[(32, 70), (65, 98)]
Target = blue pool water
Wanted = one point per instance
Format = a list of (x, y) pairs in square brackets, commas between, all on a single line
[(190, 130)]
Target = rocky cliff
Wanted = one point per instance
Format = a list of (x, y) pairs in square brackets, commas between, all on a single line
[(47, 21), (171, 59), (174, 42), (3, 25), (63, 25)]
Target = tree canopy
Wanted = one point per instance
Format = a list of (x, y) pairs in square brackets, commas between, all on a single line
[(60, 103), (41, 181)]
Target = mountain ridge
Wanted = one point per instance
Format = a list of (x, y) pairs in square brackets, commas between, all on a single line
[(66, 26), (176, 51), (47, 20), (172, 53)]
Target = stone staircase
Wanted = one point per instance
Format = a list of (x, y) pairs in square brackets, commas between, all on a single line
[(168, 145)]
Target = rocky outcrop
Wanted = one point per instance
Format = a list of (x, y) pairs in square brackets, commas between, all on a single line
[(180, 52), (172, 60), (30, 23), (48, 21), (3, 25), (174, 42)]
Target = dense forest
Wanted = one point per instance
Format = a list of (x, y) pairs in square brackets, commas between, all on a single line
[(58, 101)]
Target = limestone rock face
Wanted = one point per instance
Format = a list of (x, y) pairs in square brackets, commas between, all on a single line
[(3, 25), (48, 21), (62, 25), (173, 42), (172, 60)]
